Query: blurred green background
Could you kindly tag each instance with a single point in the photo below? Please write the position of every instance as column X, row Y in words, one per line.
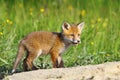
column 100, row 36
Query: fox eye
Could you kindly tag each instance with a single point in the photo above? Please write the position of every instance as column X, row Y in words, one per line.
column 71, row 34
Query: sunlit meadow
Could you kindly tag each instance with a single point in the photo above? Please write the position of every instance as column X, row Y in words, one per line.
column 100, row 36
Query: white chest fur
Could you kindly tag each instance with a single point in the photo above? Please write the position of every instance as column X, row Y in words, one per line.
column 62, row 49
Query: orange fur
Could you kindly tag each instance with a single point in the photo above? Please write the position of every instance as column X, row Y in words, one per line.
column 43, row 42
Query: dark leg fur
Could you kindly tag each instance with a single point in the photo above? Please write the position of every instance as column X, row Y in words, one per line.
column 59, row 65
column 28, row 62
column 27, row 66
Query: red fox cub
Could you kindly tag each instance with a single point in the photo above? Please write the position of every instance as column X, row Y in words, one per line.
column 43, row 42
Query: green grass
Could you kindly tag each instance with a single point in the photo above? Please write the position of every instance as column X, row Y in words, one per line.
column 100, row 37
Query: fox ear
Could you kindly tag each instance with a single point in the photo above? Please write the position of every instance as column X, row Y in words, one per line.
column 65, row 26
column 81, row 25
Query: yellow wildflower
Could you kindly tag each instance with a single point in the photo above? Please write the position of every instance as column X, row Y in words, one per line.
column 42, row 10
column 99, row 20
column 104, row 24
column 11, row 22
column 92, row 25
column 92, row 43
column 31, row 13
column 1, row 33
column 20, row 5
column 7, row 20
column 70, row 7
column 83, row 13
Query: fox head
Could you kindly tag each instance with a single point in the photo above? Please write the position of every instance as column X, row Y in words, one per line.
column 72, row 33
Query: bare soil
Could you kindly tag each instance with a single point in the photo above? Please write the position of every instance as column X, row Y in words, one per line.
column 106, row 71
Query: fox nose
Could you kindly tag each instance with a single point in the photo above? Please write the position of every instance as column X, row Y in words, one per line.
column 76, row 41
column 79, row 41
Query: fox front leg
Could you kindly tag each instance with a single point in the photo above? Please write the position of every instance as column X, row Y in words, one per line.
column 57, row 60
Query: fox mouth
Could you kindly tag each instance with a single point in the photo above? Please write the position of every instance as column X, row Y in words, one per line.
column 75, row 43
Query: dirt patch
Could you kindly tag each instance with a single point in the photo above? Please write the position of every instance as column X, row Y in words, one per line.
column 106, row 71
